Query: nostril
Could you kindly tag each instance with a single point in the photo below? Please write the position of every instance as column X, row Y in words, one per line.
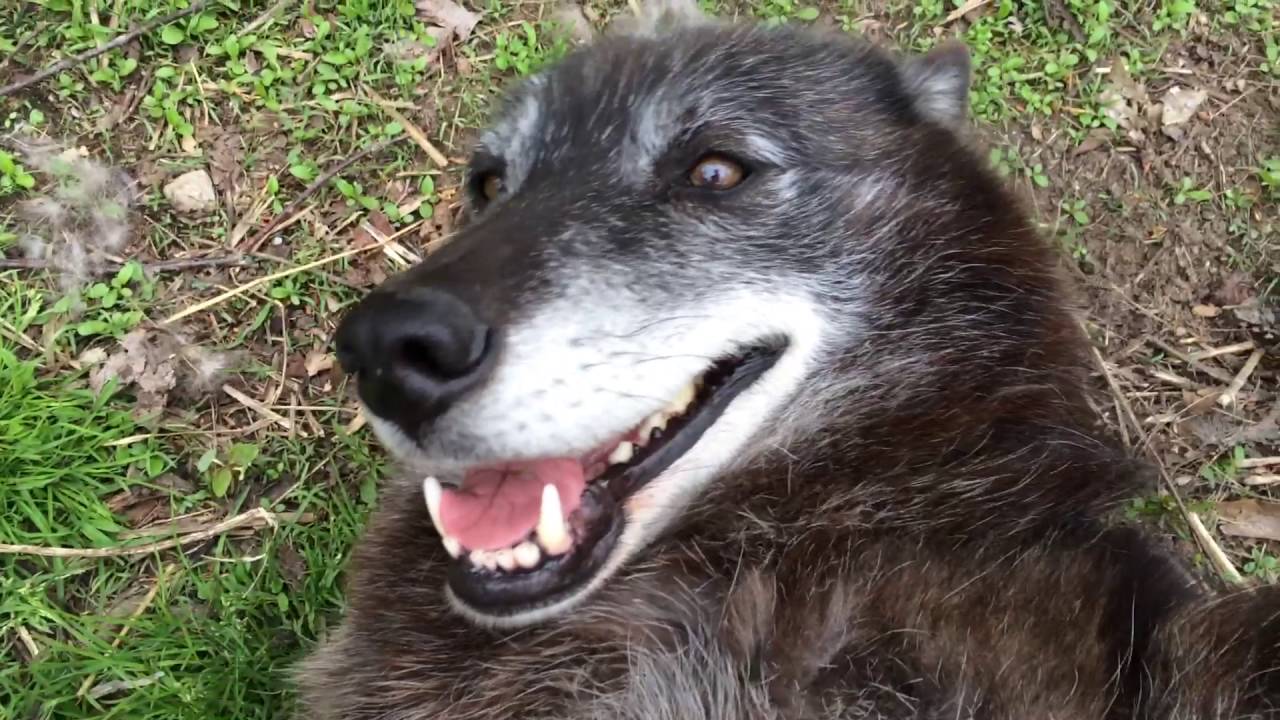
column 418, row 356
column 450, row 357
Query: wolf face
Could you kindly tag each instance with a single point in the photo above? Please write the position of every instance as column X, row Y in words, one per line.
column 686, row 240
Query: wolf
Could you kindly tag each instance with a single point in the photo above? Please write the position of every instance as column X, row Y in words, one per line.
column 747, row 392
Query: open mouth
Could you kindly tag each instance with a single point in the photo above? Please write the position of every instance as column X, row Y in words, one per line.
column 528, row 534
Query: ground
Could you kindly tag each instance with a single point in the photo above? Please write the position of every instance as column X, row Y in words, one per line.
column 182, row 469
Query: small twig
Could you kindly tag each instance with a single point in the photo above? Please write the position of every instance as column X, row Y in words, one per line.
column 1224, row 350
column 124, row 629
column 1227, row 107
column 108, row 267
column 115, row 42
column 290, row 209
column 1214, row 550
column 1212, row 372
column 410, row 129
column 28, row 642
column 256, row 515
column 241, row 289
column 258, row 407
column 1258, row 462
column 1257, row 480
column 262, row 19
column 1172, row 378
column 1127, row 416
column 963, row 10
column 1228, row 398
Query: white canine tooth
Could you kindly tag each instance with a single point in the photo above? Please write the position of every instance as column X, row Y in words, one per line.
column 552, row 533
column 432, row 492
column 506, row 559
column 527, row 555
column 681, row 401
column 452, row 546
column 623, row 453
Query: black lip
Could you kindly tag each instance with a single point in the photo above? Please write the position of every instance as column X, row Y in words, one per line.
column 599, row 522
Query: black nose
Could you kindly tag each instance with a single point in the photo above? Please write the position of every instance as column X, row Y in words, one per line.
column 414, row 352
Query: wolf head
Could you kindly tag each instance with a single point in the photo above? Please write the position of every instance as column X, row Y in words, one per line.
column 685, row 240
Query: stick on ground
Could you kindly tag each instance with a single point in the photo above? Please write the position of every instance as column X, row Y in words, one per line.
column 205, row 305
column 115, row 42
column 287, row 213
column 176, row 265
column 245, row 518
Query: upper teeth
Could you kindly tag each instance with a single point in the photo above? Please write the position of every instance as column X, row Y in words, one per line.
column 433, row 493
column 681, row 401
column 622, row 453
column 552, row 532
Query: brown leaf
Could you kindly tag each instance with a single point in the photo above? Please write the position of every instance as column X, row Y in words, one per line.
column 144, row 364
column 1179, row 105
column 1250, row 518
column 1237, row 289
column 449, row 15
column 318, row 361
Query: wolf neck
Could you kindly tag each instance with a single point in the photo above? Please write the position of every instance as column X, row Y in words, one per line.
column 949, row 449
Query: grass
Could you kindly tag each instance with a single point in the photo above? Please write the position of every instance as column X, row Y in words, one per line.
column 269, row 98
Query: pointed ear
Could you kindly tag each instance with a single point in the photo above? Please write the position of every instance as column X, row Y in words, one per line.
column 657, row 17
column 938, row 83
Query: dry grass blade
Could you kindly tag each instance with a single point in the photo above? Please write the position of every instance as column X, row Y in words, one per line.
column 1224, row 350
column 1212, row 372
column 254, row 516
column 291, row 210
column 258, row 407
column 1259, row 462
column 1228, row 398
column 410, row 129
column 241, row 289
column 1214, row 550
column 124, row 629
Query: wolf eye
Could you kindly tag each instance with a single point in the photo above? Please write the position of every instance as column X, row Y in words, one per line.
column 716, row 172
column 491, row 186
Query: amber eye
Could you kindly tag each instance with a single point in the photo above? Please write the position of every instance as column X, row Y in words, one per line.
column 491, row 186
column 716, row 172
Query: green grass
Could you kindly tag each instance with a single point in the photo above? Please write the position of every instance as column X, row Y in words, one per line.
column 228, row 618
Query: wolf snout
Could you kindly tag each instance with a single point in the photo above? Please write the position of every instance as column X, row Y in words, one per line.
column 414, row 352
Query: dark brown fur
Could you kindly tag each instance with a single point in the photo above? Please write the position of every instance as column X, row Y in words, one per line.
column 938, row 550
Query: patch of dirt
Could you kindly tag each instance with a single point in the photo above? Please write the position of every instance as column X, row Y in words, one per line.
column 1176, row 257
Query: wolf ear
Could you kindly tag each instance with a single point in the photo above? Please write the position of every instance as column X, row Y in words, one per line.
column 938, row 82
column 657, row 17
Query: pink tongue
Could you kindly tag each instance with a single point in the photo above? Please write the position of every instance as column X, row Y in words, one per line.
column 498, row 507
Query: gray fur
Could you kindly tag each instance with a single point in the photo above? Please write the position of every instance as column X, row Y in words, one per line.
column 904, row 519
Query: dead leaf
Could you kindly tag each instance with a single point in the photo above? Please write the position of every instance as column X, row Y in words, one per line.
column 1237, row 289
column 453, row 17
column 1255, row 312
column 224, row 159
column 1206, row 311
column 1250, row 518
column 144, row 364
column 1179, row 105
column 318, row 361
